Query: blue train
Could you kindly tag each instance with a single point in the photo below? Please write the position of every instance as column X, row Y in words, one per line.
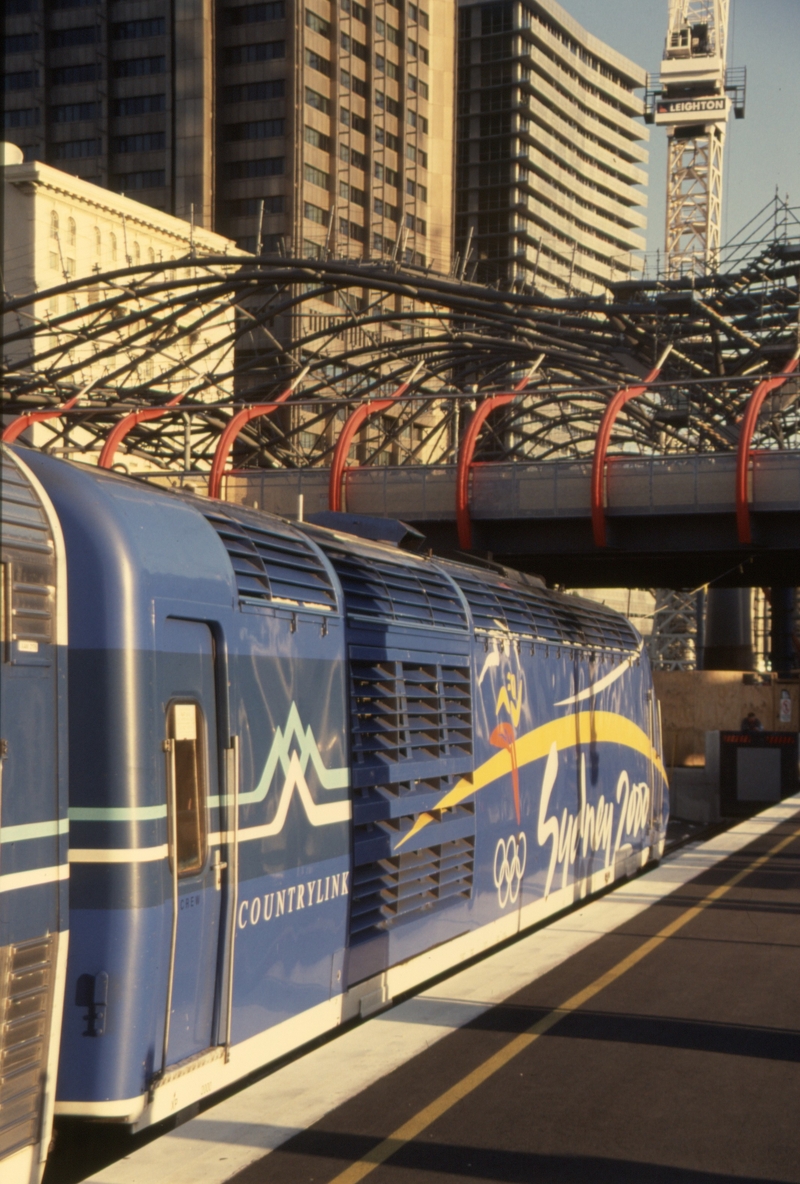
column 33, row 816
column 306, row 772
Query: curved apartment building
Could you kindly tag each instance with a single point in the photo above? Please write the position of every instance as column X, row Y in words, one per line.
column 550, row 158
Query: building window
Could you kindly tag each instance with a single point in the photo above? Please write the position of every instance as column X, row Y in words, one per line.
column 248, row 207
column 265, row 51
column 137, row 105
column 318, row 24
column 97, row 242
column 317, row 101
column 351, row 193
column 130, row 30
column 22, row 80
column 136, row 67
column 66, row 38
column 76, row 149
column 317, row 139
column 316, row 176
column 248, row 14
column 145, row 142
column 351, row 82
column 258, row 129
column 72, row 75
column 75, row 112
column 251, row 92
column 387, row 138
column 384, row 173
column 72, row 232
column 147, row 179
column 269, row 166
column 316, row 214
column 317, row 62
column 54, row 225
column 352, row 230
column 112, row 241
column 25, row 117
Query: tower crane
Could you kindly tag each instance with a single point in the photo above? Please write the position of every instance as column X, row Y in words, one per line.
column 692, row 97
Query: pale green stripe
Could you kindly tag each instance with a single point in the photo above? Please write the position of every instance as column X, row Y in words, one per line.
column 34, row 830
column 116, row 813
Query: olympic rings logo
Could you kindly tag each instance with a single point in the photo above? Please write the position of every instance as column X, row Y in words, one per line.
column 510, row 856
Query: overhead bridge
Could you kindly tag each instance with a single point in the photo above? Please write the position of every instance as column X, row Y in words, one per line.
column 670, row 521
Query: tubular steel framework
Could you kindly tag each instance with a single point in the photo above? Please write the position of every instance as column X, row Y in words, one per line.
column 199, row 340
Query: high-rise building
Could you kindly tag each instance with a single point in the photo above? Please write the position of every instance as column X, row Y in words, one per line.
column 327, row 126
column 549, row 150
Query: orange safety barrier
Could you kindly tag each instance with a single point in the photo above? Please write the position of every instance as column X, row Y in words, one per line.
column 466, row 451
column 598, row 492
column 349, row 429
column 749, row 421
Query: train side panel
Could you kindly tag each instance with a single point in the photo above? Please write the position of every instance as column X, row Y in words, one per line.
column 308, row 773
column 33, row 818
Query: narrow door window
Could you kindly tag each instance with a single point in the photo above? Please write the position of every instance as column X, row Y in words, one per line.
column 186, row 731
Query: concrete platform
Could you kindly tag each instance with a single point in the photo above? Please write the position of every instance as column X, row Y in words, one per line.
column 652, row 1035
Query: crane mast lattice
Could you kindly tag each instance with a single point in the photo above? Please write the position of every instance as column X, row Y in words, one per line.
column 692, row 97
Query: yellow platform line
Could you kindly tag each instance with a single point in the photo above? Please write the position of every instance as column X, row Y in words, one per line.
column 493, row 1064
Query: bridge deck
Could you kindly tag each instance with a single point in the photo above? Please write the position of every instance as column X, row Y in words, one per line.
column 671, row 519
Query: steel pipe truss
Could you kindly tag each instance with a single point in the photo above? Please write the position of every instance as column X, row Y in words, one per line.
column 199, row 341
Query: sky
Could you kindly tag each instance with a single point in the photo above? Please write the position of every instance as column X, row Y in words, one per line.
column 762, row 151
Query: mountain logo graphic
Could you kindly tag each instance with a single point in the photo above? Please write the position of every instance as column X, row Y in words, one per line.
column 293, row 748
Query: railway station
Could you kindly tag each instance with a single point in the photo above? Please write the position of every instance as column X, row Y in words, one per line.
column 399, row 605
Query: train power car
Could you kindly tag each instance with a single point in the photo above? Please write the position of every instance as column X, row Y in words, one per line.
column 308, row 772
column 33, row 817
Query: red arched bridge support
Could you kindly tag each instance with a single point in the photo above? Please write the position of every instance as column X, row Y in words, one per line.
column 247, row 415
column 466, row 451
column 126, row 425
column 610, row 414
column 749, row 421
column 349, row 428
column 22, row 422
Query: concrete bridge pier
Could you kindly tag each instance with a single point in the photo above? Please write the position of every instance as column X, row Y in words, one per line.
column 728, row 630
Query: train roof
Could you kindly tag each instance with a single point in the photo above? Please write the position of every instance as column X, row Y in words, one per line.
column 276, row 562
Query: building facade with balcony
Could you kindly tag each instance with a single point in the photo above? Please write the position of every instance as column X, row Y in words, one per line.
column 549, row 151
column 316, row 127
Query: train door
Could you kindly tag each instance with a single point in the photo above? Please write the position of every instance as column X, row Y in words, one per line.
column 191, row 751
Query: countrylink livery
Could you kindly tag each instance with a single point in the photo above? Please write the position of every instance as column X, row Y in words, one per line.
column 308, row 772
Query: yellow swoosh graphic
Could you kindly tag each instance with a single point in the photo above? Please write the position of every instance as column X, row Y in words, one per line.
column 583, row 727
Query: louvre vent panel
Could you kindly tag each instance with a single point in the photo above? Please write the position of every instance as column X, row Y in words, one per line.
column 411, row 727
column 408, row 886
column 399, row 592
column 498, row 606
column 28, row 556
column 270, row 567
column 408, row 711
column 26, row 988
